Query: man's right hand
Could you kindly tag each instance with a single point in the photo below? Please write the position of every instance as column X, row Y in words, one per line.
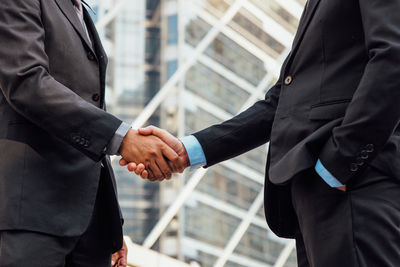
column 151, row 151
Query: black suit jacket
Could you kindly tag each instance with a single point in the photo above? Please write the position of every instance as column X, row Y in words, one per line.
column 53, row 126
column 340, row 103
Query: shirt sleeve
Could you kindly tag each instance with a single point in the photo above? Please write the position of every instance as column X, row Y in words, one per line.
column 326, row 175
column 195, row 151
column 115, row 142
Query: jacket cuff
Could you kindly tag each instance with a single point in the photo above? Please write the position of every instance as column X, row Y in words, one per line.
column 115, row 142
column 326, row 175
column 346, row 167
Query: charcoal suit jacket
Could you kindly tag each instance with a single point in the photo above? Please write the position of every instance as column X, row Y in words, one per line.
column 337, row 99
column 53, row 125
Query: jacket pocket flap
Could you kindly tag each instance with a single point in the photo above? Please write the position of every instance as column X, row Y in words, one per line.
column 329, row 110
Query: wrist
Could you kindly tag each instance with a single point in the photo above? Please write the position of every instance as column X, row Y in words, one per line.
column 130, row 135
column 185, row 157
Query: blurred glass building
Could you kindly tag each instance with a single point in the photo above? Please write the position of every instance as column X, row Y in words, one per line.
column 133, row 48
column 147, row 42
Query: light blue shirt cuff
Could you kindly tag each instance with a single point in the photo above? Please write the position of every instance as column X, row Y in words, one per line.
column 326, row 175
column 115, row 143
column 195, row 151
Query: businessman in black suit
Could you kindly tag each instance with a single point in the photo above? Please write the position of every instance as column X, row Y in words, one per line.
column 58, row 202
column 332, row 120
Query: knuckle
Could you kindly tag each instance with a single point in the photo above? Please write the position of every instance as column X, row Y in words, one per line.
column 160, row 144
column 152, row 153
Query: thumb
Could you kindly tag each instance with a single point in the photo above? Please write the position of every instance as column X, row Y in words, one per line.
column 146, row 131
column 166, row 137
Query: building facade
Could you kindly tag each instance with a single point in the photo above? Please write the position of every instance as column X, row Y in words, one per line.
column 132, row 42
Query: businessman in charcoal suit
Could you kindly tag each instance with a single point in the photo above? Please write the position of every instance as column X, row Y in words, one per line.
column 58, row 202
column 332, row 120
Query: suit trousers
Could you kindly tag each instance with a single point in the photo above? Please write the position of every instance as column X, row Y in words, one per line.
column 356, row 228
column 32, row 249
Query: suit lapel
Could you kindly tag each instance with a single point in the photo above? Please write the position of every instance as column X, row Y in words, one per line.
column 304, row 22
column 101, row 54
column 69, row 11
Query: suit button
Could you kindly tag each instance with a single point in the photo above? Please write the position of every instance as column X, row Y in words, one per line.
column 354, row 167
column 369, row 148
column 90, row 56
column 82, row 141
column 76, row 139
column 288, row 80
column 87, row 143
column 364, row 154
column 360, row 161
column 95, row 97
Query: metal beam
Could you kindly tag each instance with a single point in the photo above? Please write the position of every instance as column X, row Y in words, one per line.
column 110, row 16
column 227, row 208
column 284, row 256
column 173, row 209
column 241, row 230
column 201, row 47
column 151, row 258
column 265, row 82
column 216, row 251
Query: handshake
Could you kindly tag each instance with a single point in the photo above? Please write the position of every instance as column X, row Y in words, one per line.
column 153, row 154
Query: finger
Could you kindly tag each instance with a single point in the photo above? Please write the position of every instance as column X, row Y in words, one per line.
column 152, row 130
column 132, row 166
column 151, row 177
column 144, row 174
column 140, row 168
column 169, row 177
column 124, row 262
column 146, row 131
column 156, row 171
column 169, row 153
column 175, row 166
column 123, row 162
column 180, row 165
column 115, row 259
column 165, row 169
column 166, row 137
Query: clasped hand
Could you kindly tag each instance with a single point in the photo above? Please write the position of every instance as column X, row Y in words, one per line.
column 153, row 153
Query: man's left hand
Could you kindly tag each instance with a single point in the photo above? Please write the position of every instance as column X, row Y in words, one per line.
column 120, row 258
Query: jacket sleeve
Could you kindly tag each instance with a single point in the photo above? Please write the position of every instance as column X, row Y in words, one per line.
column 32, row 92
column 374, row 112
column 242, row 133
